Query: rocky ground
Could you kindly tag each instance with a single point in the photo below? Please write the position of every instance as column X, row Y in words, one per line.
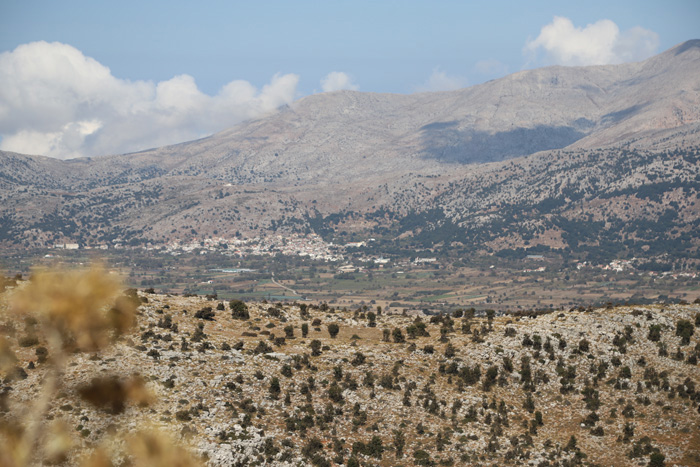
column 267, row 384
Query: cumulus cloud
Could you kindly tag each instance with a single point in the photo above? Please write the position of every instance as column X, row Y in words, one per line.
column 600, row 43
column 337, row 80
column 55, row 101
column 441, row 81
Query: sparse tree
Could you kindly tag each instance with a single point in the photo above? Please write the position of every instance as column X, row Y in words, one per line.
column 275, row 389
column 239, row 310
column 333, row 330
column 372, row 319
column 399, row 442
column 335, row 393
column 684, row 329
column 315, row 347
column 386, row 335
column 654, row 333
column 584, row 345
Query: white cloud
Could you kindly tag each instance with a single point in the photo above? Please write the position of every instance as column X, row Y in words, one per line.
column 441, row 81
column 600, row 43
column 55, row 101
column 337, row 80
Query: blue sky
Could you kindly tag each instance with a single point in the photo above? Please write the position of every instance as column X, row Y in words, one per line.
column 282, row 50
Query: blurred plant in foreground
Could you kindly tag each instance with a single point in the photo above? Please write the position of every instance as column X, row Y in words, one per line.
column 147, row 448
column 83, row 308
column 72, row 311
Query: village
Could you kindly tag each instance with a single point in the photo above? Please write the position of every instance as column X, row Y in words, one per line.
column 313, row 247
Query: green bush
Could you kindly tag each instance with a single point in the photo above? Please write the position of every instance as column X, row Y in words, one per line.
column 239, row 310
column 333, row 330
column 684, row 329
column 654, row 333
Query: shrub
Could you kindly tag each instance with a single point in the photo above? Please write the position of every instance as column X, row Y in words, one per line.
column 684, row 329
column 359, row 359
column 333, row 330
column 584, row 345
column 198, row 334
column 375, row 447
column 422, row 458
column 286, row 371
column 312, row 447
column 386, row 381
column 28, row 341
column 657, row 460
column 335, row 393
column 385, row 335
column 490, row 378
column 529, row 403
column 507, row 364
column 262, row 347
column 275, row 389
column 654, row 333
column 625, row 372
column 372, row 319
column 398, row 336
column 205, row 313
column 239, row 310
column 41, row 353
column 183, row 415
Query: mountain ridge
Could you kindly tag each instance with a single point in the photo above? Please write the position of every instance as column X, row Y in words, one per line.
column 353, row 155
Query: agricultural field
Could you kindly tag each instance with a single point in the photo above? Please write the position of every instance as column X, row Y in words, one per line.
column 482, row 283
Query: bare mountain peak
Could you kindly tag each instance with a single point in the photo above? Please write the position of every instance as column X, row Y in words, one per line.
column 691, row 45
column 334, row 133
column 586, row 130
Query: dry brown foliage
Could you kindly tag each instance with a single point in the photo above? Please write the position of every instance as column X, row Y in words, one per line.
column 75, row 310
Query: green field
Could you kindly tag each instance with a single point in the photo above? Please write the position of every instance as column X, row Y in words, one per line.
column 398, row 285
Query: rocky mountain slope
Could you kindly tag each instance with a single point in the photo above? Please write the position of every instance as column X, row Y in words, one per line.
column 272, row 384
column 355, row 156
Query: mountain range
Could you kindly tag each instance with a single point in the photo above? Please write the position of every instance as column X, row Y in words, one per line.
column 594, row 161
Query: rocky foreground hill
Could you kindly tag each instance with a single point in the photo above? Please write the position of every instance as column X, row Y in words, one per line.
column 542, row 157
column 296, row 384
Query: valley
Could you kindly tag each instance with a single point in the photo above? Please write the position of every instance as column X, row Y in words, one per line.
column 427, row 284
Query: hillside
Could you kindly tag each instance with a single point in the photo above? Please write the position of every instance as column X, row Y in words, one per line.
column 610, row 386
column 560, row 146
